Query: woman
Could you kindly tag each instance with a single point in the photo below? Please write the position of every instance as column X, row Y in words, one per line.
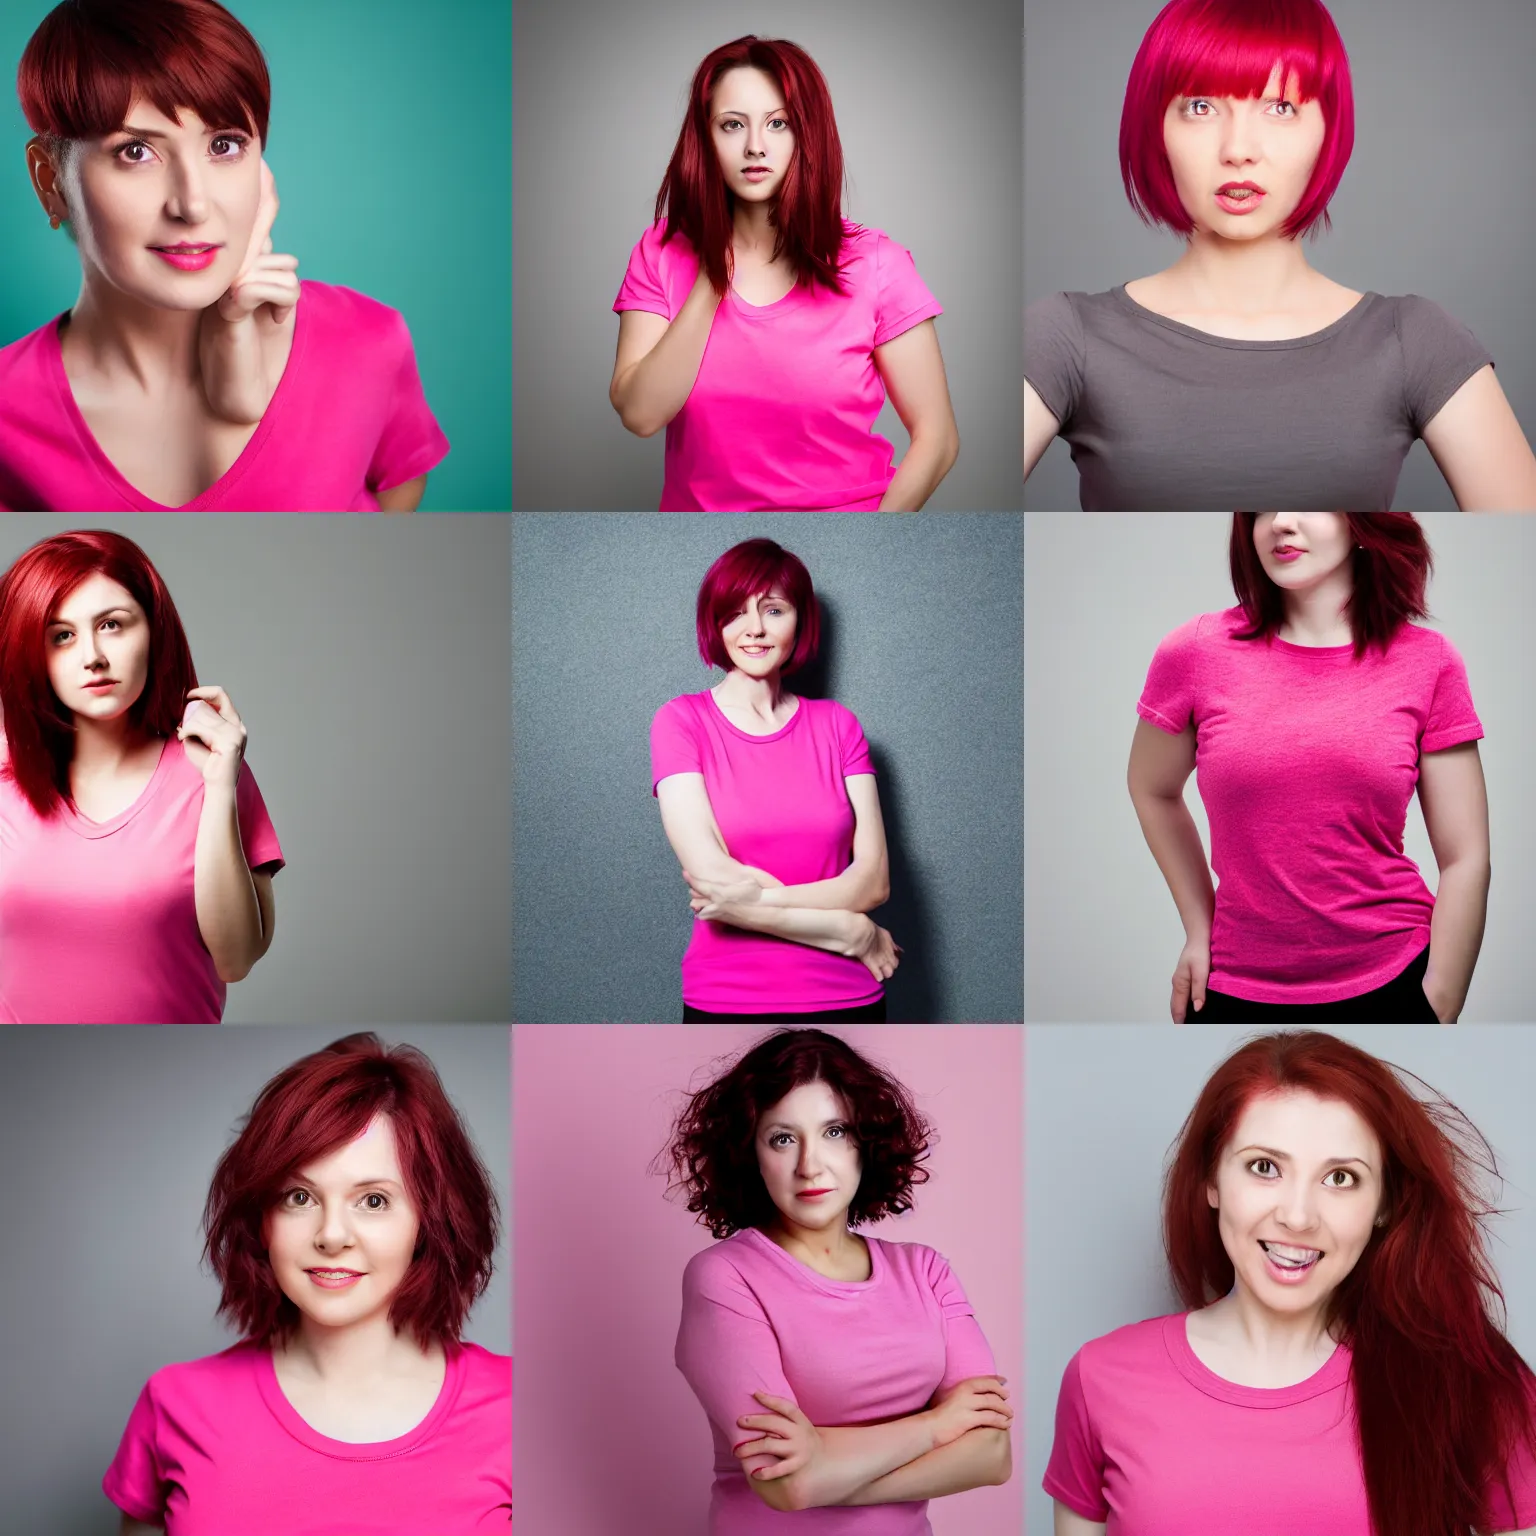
column 763, row 330
column 201, row 383
column 749, row 775
column 844, row 1370
column 1313, row 709
column 1241, row 376
column 351, row 1227
column 1336, row 1372
column 136, row 853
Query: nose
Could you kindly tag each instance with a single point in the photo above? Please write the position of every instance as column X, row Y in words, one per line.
column 187, row 201
column 1297, row 1210
column 1239, row 138
column 757, row 143
column 334, row 1233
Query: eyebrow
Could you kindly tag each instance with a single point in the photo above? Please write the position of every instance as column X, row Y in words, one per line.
column 1285, row 1157
column 780, row 1125
column 155, row 133
column 732, row 112
column 94, row 618
column 361, row 1183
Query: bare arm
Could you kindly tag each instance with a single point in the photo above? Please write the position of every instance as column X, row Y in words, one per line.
column 1040, row 427
column 131, row 1527
column 657, row 363
column 866, row 883
column 229, row 910
column 405, row 497
column 912, row 368
column 1160, row 764
column 1070, row 1523
column 979, row 1458
column 1454, row 799
column 853, row 1456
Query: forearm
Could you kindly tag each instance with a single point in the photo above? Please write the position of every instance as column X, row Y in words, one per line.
column 820, row 929
column 927, row 460
column 978, row 1459
column 1174, row 839
column 1456, row 932
column 854, row 1456
column 228, row 914
column 233, row 364
column 860, row 888
column 657, row 387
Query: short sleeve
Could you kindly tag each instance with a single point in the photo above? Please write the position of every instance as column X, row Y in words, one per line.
column 1452, row 719
column 674, row 744
column 258, row 837
column 727, row 1349
column 902, row 299
column 642, row 287
column 1439, row 355
column 410, row 440
column 133, row 1481
column 966, row 1351
column 1168, row 699
column 1054, row 354
column 1075, row 1473
column 855, row 748
column 1512, row 1491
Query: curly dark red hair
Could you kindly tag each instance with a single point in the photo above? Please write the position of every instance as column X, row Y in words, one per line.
column 1391, row 569
column 713, row 1153
column 307, row 1111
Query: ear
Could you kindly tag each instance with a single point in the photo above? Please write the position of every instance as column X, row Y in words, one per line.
column 1211, row 1198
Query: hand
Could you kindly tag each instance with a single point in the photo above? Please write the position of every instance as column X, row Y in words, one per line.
column 1190, row 976
column 980, row 1402
column 711, row 897
column 1445, row 1006
column 875, row 947
column 263, row 279
column 213, row 735
column 788, row 1434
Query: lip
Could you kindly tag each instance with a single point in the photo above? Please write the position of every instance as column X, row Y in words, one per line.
column 754, row 650
column 1247, row 205
column 757, row 170
column 188, row 261
column 814, row 1194
column 1289, row 1276
column 1282, row 552
column 102, row 683
column 331, row 1282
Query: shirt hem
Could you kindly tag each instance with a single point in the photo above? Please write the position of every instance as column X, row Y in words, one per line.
column 1264, row 992
column 1056, row 1491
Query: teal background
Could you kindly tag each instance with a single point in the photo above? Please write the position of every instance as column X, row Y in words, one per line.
column 391, row 143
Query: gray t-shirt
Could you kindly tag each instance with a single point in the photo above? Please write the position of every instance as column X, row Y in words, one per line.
column 1162, row 417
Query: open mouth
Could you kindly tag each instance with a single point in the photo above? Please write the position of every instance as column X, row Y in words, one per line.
column 1290, row 1261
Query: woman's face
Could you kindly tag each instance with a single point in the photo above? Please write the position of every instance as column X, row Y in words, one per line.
column 98, row 649
column 349, row 1211
column 1322, row 538
column 1273, row 142
column 1301, row 1179
column 760, row 638
column 749, row 128
column 164, row 185
column 805, row 1144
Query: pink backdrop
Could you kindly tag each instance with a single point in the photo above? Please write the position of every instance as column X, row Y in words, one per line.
column 609, row 1440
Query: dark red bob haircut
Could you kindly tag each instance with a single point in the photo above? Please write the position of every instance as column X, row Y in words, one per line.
column 1443, row 1400
column 1224, row 48
column 750, row 569
column 808, row 223
column 89, row 59
column 308, row 1111
column 39, row 730
column 713, row 1151
column 1392, row 564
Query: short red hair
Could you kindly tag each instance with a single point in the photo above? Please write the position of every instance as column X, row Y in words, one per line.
column 39, row 730
column 1230, row 48
column 809, row 227
column 88, row 59
column 750, row 569
column 309, row 1110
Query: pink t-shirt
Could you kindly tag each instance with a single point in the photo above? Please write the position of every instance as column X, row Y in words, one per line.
column 213, row 1448
column 757, row 1320
column 1306, row 762
column 781, row 806
column 98, row 920
column 1151, row 1442
column 782, row 414
column 349, row 420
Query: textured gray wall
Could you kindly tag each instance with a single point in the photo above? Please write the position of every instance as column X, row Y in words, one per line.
column 110, row 1137
column 922, row 639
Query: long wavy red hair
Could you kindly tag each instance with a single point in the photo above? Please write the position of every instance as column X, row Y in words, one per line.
column 1442, row 1399
column 808, row 225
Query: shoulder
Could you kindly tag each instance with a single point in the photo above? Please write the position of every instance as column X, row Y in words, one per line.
column 206, row 1378
column 1193, row 634
column 21, row 358
column 683, row 710
column 1134, row 1346
column 829, row 710
column 917, row 1259
column 486, row 1368
column 720, row 1270
column 338, row 313
column 654, row 245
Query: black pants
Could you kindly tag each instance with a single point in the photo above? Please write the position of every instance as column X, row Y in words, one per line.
column 1399, row 1001
column 870, row 1013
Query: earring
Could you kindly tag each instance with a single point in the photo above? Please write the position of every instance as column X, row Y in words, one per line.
column 53, row 221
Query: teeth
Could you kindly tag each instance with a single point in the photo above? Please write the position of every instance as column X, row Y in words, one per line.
column 1297, row 1256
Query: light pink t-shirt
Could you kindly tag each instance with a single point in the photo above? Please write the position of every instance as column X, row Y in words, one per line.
column 1151, row 1442
column 782, row 414
column 213, row 1448
column 845, row 1353
column 349, row 420
column 1306, row 762
column 781, row 806
column 98, row 920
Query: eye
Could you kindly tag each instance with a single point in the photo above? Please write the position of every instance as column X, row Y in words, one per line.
column 840, row 1131
column 115, row 622
column 777, row 1137
column 1344, row 1173
column 291, row 1203
column 1259, row 1162
column 383, row 1199
column 1194, row 101
column 239, row 140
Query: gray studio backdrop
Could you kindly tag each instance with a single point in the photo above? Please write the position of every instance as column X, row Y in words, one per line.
column 1101, row 932
column 920, row 639
column 928, row 108
column 112, row 1136
column 1108, row 1102
column 1407, row 217
column 368, row 659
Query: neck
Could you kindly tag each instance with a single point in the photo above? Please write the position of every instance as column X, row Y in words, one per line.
column 125, row 340
column 753, row 230
column 762, row 695
column 1275, row 1338
column 1316, row 616
column 1244, row 279
column 105, row 747
column 360, row 1354
column 830, row 1247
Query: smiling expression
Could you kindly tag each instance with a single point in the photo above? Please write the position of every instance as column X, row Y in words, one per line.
column 804, row 1142
column 98, row 632
column 1303, row 1174
column 1273, row 141
column 349, row 1210
column 749, row 126
column 760, row 638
